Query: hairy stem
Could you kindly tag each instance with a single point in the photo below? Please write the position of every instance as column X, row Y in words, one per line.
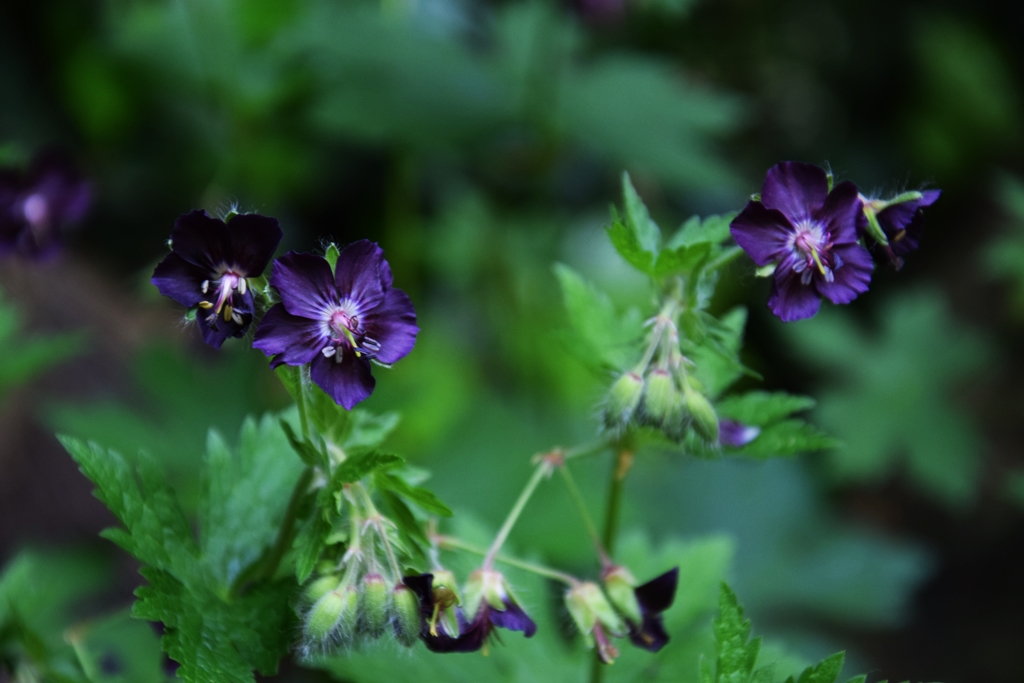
column 510, row 521
column 450, row 543
column 301, row 403
column 581, row 507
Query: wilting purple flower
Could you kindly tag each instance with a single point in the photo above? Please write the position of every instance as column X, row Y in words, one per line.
column 209, row 266
column 736, row 434
column 36, row 206
column 902, row 221
column 338, row 321
column 444, row 626
column 810, row 234
column 654, row 597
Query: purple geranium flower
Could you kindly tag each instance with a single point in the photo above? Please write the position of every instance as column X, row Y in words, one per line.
column 209, row 266
column 36, row 206
column 654, row 597
column 444, row 626
column 810, row 234
column 338, row 321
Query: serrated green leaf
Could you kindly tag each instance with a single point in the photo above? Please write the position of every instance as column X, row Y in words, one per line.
column 404, row 519
column 825, row 671
column 681, row 260
column 711, row 230
column 602, row 337
column 354, row 469
column 638, row 220
column 307, row 452
column 761, row 408
column 736, row 656
column 786, row 438
column 628, row 245
column 421, row 497
column 309, row 542
column 717, row 361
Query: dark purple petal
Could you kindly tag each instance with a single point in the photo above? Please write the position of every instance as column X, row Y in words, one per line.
column 658, row 594
column 790, row 298
column 796, row 189
column 201, row 240
column 471, row 638
column 216, row 330
column 851, row 278
column 306, row 284
column 839, row 213
column 180, row 280
column 347, row 382
column 288, row 338
column 254, row 238
column 393, row 326
column 903, row 223
column 513, row 618
column 762, row 232
column 358, row 274
column 651, row 635
column 736, row 434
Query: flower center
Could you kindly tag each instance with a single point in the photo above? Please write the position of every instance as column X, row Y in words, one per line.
column 231, row 280
column 810, row 245
column 36, row 210
column 343, row 331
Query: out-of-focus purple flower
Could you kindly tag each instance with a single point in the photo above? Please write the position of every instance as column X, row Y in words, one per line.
column 654, row 597
column 810, row 235
column 490, row 604
column 444, row 626
column 209, row 266
column 902, row 220
column 338, row 321
column 736, row 434
column 38, row 205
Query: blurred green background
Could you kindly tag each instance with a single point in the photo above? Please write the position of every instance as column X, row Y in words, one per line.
column 479, row 142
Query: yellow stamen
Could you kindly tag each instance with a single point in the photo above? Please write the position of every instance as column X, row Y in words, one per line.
column 227, row 312
column 205, row 304
column 814, row 255
column 900, row 235
column 433, row 619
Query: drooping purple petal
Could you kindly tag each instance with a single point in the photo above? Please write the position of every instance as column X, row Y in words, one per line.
column 762, row 232
column 796, row 189
column 216, row 330
column 288, row 338
column 180, row 280
column 790, row 298
column 306, row 284
column 903, row 223
column 201, row 240
column 254, row 238
column 347, row 382
column 839, row 213
column 736, row 434
column 654, row 597
column 851, row 278
column 393, row 325
column 513, row 618
column 358, row 274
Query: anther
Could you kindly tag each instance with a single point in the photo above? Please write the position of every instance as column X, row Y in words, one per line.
column 329, row 351
column 206, row 286
column 242, row 285
column 205, row 304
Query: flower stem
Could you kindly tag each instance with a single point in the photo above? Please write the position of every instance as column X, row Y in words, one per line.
column 510, row 521
column 375, row 520
column 301, row 403
column 267, row 567
column 450, row 543
column 623, row 462
column 581, row 507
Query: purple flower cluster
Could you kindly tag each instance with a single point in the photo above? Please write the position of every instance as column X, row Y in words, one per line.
column 335, row 320
column 810, row 235
column 37, row 205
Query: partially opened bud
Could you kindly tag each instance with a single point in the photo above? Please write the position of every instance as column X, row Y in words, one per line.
column 408, row 620
column 619, row 584
column 374, row 596
column 623, row 399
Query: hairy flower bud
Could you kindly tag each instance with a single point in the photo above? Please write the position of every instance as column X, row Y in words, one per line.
column 373, row 604
column 705, row 421
column 408, row 620
column 623, row 399
column 620, row 584
column 588, row 607
column 332, row 615
column 662, row 398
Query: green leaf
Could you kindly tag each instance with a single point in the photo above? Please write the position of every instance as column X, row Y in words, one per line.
column 736, row 656
column 332, row 255
column 681, row 260
column 130, row 645
column 422, row 497
column 307, row 452
column 638, row 220
column 355, row 469
column 761, row 407
column 894, row 397
column 785, row 438
column 826, row 671
column 601, row 336
column 710, row 230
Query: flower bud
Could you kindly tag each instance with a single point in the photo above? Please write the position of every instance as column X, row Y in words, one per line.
column 620, row 585
column 705, row 421
column 334, row 613
column 662, row 397
column 373, row 604
column 320, row 587
column 589, row 607
column 623, row 398
column 408, row 620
